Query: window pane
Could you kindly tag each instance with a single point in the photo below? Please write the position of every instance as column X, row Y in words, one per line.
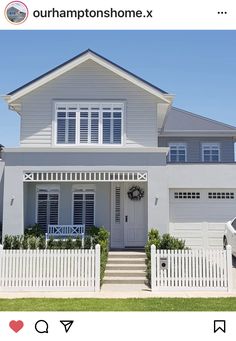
column 94, row 130
column 61, row 131
column 78, row 213
column 117, row 131
column 83, row 130
column 61, row 114
column 106, row 115
column 106, row 131
column 71, row 130
column 182, row 157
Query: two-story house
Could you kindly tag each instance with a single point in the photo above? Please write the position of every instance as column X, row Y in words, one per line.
column 101, row 146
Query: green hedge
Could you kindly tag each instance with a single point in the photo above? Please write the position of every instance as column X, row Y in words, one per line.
column 100, row 236
column 164, row 242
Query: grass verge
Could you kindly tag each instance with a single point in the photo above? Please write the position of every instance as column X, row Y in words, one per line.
column 129, row 304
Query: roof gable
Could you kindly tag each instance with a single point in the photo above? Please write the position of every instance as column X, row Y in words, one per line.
column 77, row 60
column 179, row 121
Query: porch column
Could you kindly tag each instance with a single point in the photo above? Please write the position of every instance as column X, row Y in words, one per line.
column 13, row 213
column 158, row 199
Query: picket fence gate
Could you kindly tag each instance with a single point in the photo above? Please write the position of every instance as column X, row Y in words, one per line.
column 50, row 270
column 191, row 269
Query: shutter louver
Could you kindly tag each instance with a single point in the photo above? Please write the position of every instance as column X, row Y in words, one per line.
column 117, row 205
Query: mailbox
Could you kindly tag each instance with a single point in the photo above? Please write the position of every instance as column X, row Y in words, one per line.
column 163, row 263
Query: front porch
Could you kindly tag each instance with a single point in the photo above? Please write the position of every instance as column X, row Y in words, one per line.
column 88, row 199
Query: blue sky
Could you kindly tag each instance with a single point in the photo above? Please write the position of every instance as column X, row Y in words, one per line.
column 199, row 67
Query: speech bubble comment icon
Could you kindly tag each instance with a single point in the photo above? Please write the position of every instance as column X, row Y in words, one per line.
column 41, row 326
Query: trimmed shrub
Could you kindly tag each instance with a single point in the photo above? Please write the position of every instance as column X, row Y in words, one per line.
column 33, row 243
column 87, row 242
column 51, row 243
column 78, row 243
column 60, row 244
column 101, row 236
column 34, row 230
column 25, row 242
column 166, row 242
column 171, row 243
column 7, row 243
column 16, row 242
column 69, row 243
column 41, row 242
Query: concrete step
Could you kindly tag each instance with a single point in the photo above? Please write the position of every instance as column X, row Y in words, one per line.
column 125, row 273
column 127, row 255
column 121, row 267
column 124, row 280
column 140, row 261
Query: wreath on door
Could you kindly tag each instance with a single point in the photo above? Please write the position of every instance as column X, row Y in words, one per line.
column 135, row 193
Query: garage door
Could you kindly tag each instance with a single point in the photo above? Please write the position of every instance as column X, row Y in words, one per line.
column 199, row 216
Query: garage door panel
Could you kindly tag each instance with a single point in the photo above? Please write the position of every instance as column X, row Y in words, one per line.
column 201, row 222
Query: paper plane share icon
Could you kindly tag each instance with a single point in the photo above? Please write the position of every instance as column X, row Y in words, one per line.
column 67, row 324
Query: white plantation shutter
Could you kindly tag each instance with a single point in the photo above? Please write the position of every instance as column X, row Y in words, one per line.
column 47, row 210
column 112, row 125
column 93, row 123
column 83, row 208
column 117, row 204
column 66, row 127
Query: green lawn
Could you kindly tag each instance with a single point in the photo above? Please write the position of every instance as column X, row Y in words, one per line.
column 129, row 304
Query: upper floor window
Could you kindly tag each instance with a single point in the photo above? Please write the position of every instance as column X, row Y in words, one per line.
column 210, row 152
column 92, row 123
column 178, row 152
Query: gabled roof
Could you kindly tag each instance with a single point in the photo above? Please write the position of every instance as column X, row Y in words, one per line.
column 77, row 60
column 182, row 122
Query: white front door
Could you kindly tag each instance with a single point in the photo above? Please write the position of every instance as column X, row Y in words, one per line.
column 135, row 218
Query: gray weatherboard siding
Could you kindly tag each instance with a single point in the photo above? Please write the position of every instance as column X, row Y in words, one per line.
column 90, row 82
column 194, row 144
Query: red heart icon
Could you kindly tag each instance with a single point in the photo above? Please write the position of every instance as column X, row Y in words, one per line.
column 16, row 325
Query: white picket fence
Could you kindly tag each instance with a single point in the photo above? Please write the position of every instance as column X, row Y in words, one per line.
column 191, row 269
column 45, row 270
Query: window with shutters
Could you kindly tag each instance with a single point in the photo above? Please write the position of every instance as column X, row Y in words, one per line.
column 66, row 124
column 89, row 123
column 83, row 208
column 47, row 208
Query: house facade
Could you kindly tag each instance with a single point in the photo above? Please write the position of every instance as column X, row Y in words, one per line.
column 101, row 146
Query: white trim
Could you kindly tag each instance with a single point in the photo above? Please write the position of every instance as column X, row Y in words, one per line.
column 88, row 149
column 81, row 59
column 102, row 176
column 83, row 187
column 177, row 145
column 210, row 145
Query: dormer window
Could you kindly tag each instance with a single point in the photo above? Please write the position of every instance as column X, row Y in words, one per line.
column 89, row 124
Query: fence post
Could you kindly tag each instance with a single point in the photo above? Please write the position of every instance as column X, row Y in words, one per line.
column 229, row 267
column 97, row 267
column 153, row 266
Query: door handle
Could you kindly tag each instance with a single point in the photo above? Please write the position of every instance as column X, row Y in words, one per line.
column 126, row 219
